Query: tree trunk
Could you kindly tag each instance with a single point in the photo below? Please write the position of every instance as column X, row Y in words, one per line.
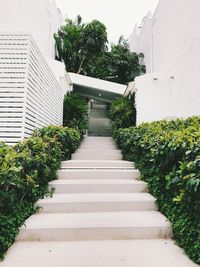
column 80, row 67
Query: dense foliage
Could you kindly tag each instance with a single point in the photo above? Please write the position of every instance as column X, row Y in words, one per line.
column 25, row 171
column 168, row 156
column 79, row 44
column 123, row 112
column 118, row 65
column 84, row 50
column 75, row 112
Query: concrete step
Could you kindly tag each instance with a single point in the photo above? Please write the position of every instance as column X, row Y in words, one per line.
column 101, row 174
column 98, row 141
column 108, row 253
column 91, row 133
column 98, row 114
column 100, row 150
column 99, row 125
column 98, row 186
column 98, row 107
column 101, row 202
column 95, row 226
column 98, row 146
column 96, row 163
column 93, row 127
column 102, row 154
column 99, row 130
column 100, row 121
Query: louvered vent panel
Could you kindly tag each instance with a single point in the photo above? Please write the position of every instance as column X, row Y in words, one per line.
column 30, row 96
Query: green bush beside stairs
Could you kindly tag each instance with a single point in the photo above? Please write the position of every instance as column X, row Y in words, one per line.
column 167, row 153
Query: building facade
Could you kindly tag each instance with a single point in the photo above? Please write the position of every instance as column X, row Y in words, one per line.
column 32, row 83
column 170, row 41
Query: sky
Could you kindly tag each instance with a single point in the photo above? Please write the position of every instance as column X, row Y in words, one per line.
column 119, row 16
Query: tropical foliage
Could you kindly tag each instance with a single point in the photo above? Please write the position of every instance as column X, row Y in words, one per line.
column 25, row 171
column 118, row 65
column 123, row 112
column 84, row 50
column 79, row 44
column 75, row 112
column 168, row 157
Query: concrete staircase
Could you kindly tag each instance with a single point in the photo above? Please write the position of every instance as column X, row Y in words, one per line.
column 97, row 199
column 103, row 207
column 99, row 124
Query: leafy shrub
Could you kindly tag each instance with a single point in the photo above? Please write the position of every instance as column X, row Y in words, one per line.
column 168, row 157
column 123, row 112
column 25, row 171
column 68, row 138
column 75, row 112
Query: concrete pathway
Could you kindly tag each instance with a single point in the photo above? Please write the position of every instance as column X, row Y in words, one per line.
column 101, row 215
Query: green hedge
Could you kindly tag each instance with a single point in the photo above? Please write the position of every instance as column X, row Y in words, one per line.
column 123, row 112
column 25, row 171
column 75, row 112
column 168, row 157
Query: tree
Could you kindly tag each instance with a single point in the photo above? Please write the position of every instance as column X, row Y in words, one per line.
column 119, row 65
column 79, row 44
column 83, row 48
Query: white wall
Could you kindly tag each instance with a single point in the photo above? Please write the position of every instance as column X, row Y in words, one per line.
column 30, row 95
column 58, row 69
column 170, row 41
column 41, row 18
column 140, row 40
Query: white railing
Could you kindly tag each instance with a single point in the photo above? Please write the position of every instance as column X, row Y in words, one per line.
column 30, row 96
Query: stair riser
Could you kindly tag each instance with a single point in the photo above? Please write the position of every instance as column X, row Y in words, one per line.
column 88, row 156
column 99, row 127
column 103, row 152
column 97, row 207
column 102, row 140
column 97, row 174
column 100, row 122
column 99, row 134
column 107, row 188
column 106, row 145
column 96, row 147
column 96, row 233
column 97, row 164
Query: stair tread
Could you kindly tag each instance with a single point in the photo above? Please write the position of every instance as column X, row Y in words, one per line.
column 100, row 197
column 94, row 220
column 108, row 253
column 96, row 181
column 97, row 163
column 100, row 150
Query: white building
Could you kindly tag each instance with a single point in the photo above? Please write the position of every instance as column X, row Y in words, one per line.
column 32, row 83
column 170, row 41
column 41, row 18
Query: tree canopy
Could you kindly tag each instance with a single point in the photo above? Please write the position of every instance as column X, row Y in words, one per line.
column 78, row 44
column 84, row 50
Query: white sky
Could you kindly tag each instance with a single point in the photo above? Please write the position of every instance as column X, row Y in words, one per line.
column 119, row 16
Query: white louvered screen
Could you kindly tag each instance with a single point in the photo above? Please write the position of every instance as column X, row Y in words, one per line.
column 30, row 96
